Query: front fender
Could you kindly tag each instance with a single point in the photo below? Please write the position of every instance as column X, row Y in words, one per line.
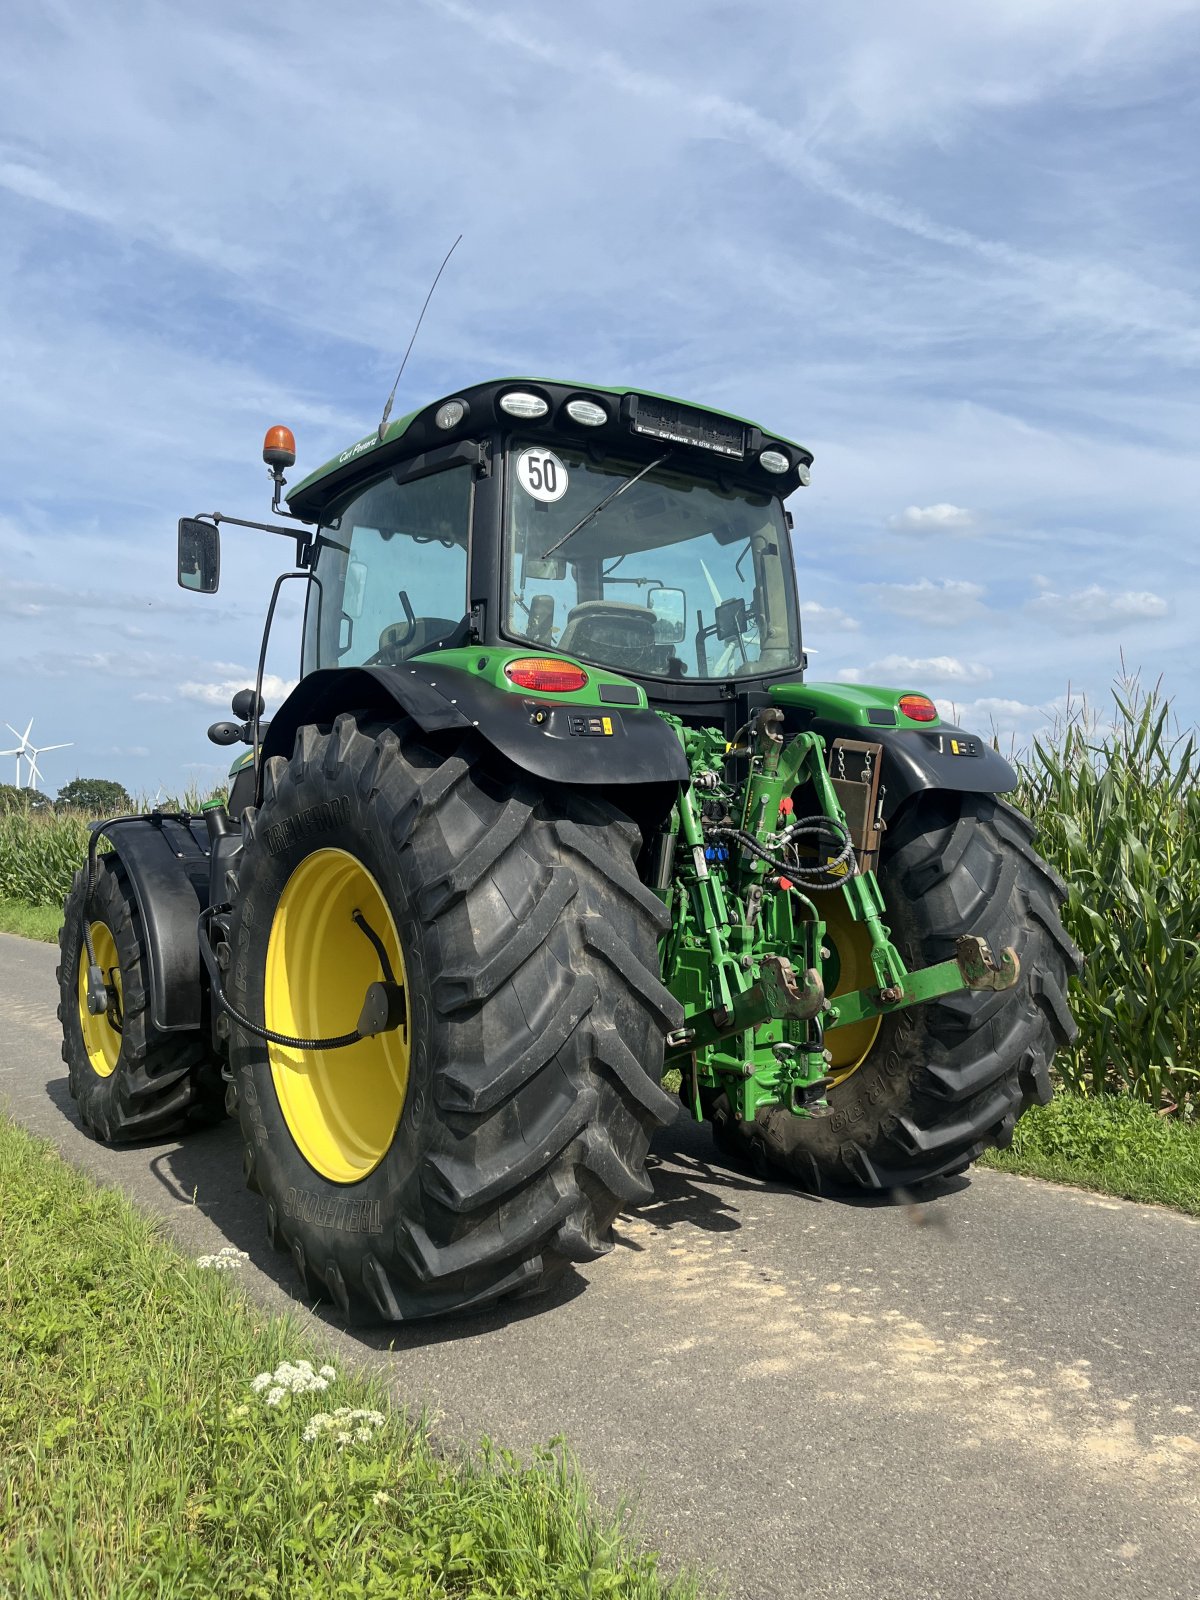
column 168, row 867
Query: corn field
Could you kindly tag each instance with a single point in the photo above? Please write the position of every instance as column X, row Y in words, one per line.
column 39, row 853
column 1118, row 812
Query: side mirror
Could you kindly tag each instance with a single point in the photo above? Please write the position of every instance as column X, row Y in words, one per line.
column 199, row 566
column 669, row 607
column 731, row 619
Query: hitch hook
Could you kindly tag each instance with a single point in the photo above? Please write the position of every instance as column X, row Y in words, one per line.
column 980, row 969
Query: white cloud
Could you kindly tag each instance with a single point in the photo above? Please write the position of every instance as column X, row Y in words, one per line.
column 945, row 601
column 1096, row 607
column 994, row 713
column 932, row 669
column 831, row 619
column 940, row 518
column 220, row 694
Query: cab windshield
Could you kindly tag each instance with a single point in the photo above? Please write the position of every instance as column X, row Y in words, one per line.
column 671, row 578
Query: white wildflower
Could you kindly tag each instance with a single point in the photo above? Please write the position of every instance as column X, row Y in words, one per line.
column 225, row 1260
column 292, row 1377
column 347, row 1425
column 381, row 1497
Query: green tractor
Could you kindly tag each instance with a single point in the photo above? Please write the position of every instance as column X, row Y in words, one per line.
column 551, row 812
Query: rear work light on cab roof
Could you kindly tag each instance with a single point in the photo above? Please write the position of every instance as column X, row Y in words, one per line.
column 547, row 674
column 917, row 708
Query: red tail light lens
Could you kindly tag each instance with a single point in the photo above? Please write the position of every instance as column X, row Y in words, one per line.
column 546, row 674
column 917, row 707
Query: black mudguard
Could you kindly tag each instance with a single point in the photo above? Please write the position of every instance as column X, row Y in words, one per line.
column 549, row 739
column 168, row 866
column 914, row 760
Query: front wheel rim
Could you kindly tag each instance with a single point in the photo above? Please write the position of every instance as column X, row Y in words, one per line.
column 101, row 1039
column 341, row 1107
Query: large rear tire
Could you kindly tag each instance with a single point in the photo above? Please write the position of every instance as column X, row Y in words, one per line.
column 489, row 1142
column 939, row 1083
column 129, row 1080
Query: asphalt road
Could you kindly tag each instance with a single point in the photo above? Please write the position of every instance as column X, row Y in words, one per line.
column 993, row 1392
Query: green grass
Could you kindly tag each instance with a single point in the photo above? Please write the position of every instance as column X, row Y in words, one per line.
column 1112, row 1143
column 136, row 1459
column 31, row 922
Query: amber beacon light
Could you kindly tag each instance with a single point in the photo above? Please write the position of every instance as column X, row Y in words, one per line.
column 279, row 447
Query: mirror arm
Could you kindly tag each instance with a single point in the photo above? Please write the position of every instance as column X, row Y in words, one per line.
column 304, row 541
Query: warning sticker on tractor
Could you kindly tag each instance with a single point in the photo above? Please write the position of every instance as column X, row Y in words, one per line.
column 542, row 475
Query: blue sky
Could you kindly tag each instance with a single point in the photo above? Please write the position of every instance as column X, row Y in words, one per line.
column 951, row 248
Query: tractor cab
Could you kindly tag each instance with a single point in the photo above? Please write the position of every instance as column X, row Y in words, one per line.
column 623, row 530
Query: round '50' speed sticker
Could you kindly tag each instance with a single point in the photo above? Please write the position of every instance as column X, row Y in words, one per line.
column 542, row 475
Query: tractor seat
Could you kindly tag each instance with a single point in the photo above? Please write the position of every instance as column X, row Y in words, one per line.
column 395, row 643
column 613, row 631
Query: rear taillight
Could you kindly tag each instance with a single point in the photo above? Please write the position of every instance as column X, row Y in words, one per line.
column 917, row 708
column 547, row 674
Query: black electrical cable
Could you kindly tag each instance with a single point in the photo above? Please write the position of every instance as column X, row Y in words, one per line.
column 816, row 878
column 286, row 1039
column 269, row 1034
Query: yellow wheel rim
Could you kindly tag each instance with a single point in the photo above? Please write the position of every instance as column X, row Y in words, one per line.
column 100, row 1039
column 341, row 1106
column 850, row 947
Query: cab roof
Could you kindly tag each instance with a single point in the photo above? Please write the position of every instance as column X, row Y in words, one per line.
column 718, row 439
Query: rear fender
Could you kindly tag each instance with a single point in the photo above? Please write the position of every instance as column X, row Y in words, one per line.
column 914, row 761
column 168, row 867
column 630, row 753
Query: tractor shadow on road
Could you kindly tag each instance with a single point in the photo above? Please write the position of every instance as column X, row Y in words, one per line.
column 695, row 1186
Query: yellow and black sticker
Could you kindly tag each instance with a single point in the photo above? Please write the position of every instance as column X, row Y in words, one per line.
column 591, row 727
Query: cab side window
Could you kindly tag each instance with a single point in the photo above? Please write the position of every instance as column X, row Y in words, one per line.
column 391, row 572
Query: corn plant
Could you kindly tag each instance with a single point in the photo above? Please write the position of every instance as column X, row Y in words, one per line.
column 40, row 850
column 39, row 854
column 1118, row 810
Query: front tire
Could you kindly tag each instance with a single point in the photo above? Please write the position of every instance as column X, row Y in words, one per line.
column 493, row 1140
column 130, row 1080
column 939, row 1083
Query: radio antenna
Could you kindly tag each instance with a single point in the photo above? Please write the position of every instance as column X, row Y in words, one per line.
column 387, row 410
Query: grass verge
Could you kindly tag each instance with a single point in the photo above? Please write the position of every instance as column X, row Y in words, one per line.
column 1112, row 1143
column 31, row 922
column 138, row 1459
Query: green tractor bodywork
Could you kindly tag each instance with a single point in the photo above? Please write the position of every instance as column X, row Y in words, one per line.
column 747, row 957
column 552, row 809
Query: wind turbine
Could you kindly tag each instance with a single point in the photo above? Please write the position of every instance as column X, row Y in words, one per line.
column 31, row 752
